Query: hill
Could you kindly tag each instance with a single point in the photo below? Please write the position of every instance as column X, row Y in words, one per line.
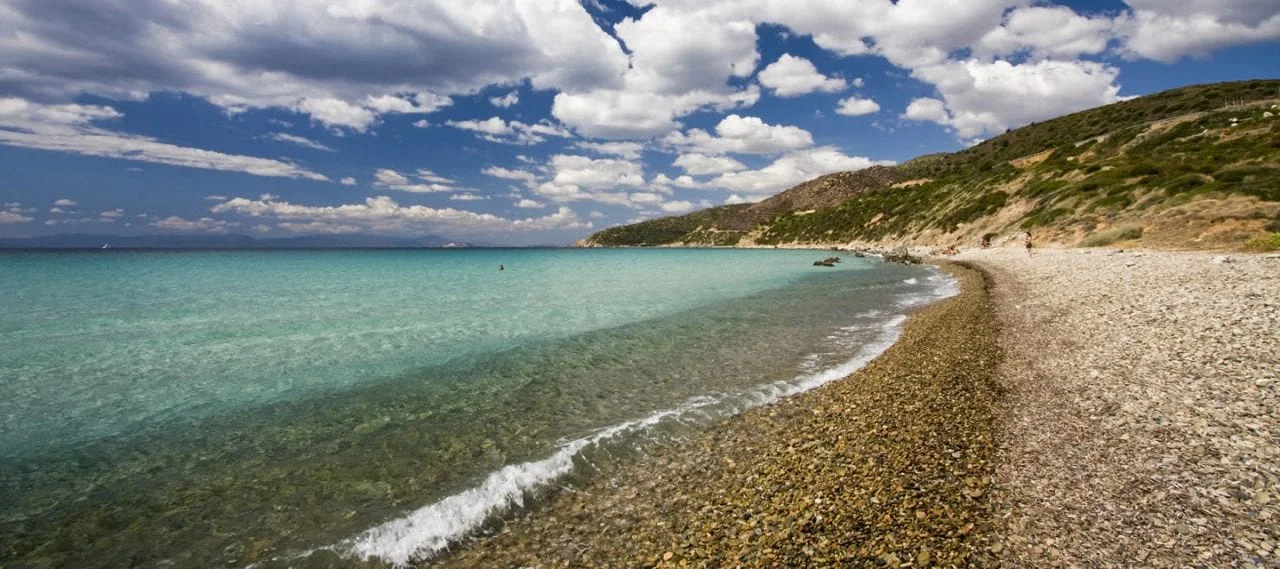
column 1195, row 167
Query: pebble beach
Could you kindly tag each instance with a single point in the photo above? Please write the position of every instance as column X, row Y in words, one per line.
column 1141, row 426
column 1078, row 408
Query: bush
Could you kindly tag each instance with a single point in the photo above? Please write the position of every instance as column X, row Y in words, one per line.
column 1120, row 233
column 1264, row 243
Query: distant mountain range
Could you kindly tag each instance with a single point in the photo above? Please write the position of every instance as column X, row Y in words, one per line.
column 356, row 241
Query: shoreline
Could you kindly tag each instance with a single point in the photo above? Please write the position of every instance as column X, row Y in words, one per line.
column 891, row 464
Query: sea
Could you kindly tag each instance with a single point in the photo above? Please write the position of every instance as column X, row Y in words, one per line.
column 197, row 409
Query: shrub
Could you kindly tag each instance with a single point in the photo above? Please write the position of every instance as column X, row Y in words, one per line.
column 1270, row 242
column 1119, row 233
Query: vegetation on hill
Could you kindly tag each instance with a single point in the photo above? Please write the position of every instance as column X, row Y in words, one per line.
column 1197, row 166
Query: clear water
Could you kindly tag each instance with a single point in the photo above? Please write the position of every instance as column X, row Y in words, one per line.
column 198, row 409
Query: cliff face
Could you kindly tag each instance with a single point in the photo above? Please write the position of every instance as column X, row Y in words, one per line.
column 1177, row 169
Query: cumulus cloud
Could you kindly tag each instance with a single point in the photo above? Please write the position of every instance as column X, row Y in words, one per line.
column 383, row 213
column 423, row 182
column 743, row 135
column 299, row 140
column 680, row 206
column 505, row 101
column 69, row 128
column 791, row 169
column 791, row 76
column 348, row 181
column 64, row 202
column 11, row 217
column 527, row 203
column 204, row 224
column 627, row 150
column 467, row 197
column 980, row 97
column 1047, row 31
column 582, row 171
column 856, row 106
column 308, row 56
column 701, row 164
column 1168, row 30
column 495, row 129
column 313, row 227
column 508, row 174
column 608, row 113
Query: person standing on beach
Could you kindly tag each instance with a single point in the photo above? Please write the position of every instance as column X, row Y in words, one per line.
column 1026, row 239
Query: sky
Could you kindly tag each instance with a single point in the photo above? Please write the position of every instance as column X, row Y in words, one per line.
column 540, row 121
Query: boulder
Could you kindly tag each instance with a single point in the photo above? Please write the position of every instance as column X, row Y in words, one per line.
column 902, row 255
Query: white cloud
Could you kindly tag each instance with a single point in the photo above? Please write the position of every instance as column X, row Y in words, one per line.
column 338, row 113
column 495, row 129
column 261, row 228
column 57, row 210
column 791, row 169
column 608, row 113
column 421, row 123
column 505, row 101
column 677, row 51
column 304, row 55
column 678, row 207
column 315, row 227
column 427, row 181
column 467, row 197
column 429, row 176
column 68, row 128
column 112, row 214
column 1168, row 30
column 216, row 198
column 700, row 164
column 928, row 109
column 791, row 76
column 419, row 103
column 1047, row 31
column 64, row 202
column 348, row 181
column 744, row 135
column 856, row 106
column 10, row 217
column 989, row 97
column 734, row 199
column 204, row 224
column 627, row 150
column 383, row 213
column 595, row 173
column 299, row 140
column 596, row 215
column 506, row 174
column 529, row 204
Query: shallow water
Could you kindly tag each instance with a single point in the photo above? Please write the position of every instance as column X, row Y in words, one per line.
column 198, row 409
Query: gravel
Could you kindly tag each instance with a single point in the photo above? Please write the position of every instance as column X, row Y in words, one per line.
column 1141, row 425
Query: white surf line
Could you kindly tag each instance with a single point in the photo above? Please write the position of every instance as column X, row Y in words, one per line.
column 429, row 530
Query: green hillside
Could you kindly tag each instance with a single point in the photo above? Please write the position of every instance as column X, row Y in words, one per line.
column 1192, row 167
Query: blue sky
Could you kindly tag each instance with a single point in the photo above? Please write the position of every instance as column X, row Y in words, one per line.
column 530, row 122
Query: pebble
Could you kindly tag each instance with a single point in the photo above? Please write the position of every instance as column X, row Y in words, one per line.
column 1140, row 421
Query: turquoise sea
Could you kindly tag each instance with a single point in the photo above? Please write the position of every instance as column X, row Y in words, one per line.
column 232, row 409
